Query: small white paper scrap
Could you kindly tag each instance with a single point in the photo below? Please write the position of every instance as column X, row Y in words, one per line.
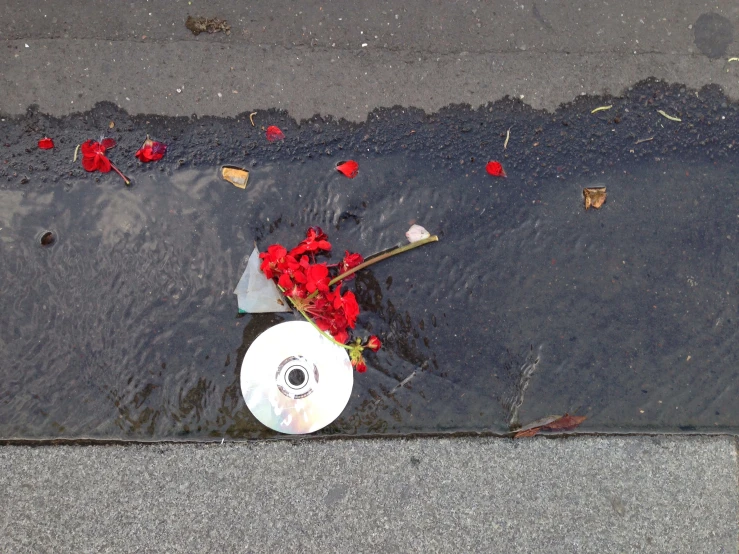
column 257, row 294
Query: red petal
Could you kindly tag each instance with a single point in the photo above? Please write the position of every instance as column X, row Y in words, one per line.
column 102, row 163
column 158, row 150
column 273, row 133
column 285, row 282
column 46, row 143
column 144, row 154
column 495, row 169
column 107, row 143
column 349, row 168
column 89, row 148
column 88, row 162
column 151, row 151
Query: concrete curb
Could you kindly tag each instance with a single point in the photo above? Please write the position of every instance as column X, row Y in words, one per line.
column 589, row 494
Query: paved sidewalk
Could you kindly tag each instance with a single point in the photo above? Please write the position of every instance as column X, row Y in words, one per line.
column 637, row 494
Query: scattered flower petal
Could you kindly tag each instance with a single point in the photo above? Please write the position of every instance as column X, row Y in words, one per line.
column 349, row 168
column 495, row 169
column 46, row 143
column 416, row 233
column 151, row 150
column 274, row 133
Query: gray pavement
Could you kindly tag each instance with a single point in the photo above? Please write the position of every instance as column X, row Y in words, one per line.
column 637, row 494
column 607, row 494
column 347, row 58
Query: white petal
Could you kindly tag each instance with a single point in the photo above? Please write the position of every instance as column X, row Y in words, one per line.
column 416, row 233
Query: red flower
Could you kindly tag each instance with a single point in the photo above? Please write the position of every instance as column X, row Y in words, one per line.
column 274, row 256
column 373, row 343
column 359, row 365
column 307, row 286
column 46, row 143
column 317, row 278
column 315, row 240
column 350, row 261
column 349, row 168
column 273, row 133
column 151, row 150
column 94, row 159
column 351, row 308
column 495, row 169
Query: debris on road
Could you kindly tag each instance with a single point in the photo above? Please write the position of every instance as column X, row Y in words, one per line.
column 416, row 233
column 255, row 293
column 235, row 175
column 48, row 238
column 668, row 116
column 601, row 109
column 554, row 424
column 594, row 196
column 212, row 25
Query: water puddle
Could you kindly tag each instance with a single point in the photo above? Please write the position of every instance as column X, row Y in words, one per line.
column 125, row 327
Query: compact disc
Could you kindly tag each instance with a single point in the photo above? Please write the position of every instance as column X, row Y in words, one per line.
column 294, row 380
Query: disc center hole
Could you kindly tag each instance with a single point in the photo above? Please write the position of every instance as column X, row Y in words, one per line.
column 296, row 376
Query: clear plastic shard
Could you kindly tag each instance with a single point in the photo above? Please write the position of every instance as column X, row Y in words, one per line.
column 257, row 294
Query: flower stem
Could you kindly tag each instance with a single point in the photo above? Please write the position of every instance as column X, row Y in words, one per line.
column 384, row 256
column 118, row 171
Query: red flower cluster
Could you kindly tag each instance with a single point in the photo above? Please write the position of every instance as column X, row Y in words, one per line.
column 315, row 289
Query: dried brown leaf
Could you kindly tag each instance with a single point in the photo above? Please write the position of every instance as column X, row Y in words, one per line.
column 565, row 423
column 539, row 422
column 594, row 196
column 527, row 433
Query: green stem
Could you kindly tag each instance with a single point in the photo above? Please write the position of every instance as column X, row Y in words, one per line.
column 384, row 256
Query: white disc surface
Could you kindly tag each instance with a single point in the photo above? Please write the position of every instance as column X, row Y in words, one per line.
column 294, row 380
